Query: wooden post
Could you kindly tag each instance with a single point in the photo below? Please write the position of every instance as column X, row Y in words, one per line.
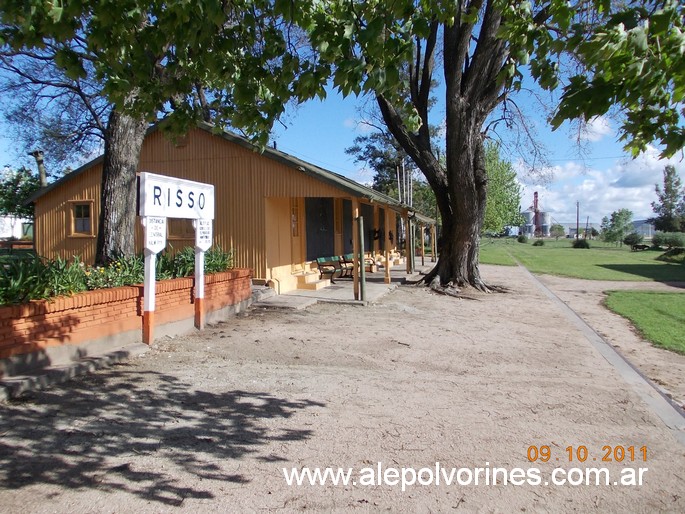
column 423, row 250
column 434, row 245
column 387, row 279
column 407, row 242
column 355, row 247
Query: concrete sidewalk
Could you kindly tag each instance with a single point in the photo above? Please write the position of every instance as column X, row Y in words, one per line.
column 343, row 290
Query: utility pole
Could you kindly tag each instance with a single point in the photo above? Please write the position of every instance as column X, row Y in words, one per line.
column 577, row 220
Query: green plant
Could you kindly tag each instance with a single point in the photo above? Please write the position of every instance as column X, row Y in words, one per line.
column 669, row 239
column 184, row 262
column 581, row 243
column 217, row 260
column 64, row 278
column 633, row 239
column 539, row 242
column 21, row 280
column 522, row 239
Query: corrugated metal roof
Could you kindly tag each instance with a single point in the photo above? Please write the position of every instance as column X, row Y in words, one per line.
column 339, row 181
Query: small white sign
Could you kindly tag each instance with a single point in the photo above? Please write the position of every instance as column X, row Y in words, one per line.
column 155, row 233
column 175, row 198
column 203, row 234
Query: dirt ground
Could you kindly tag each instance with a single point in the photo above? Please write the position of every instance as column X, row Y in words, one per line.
column 208, row 422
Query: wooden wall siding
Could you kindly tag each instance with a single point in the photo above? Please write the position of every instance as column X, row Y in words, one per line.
column 52, row 216
column 242, row 179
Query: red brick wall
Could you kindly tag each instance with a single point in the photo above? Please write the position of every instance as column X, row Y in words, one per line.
column 95, row 314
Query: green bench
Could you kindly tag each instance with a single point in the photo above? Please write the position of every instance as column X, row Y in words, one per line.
column 329, row 266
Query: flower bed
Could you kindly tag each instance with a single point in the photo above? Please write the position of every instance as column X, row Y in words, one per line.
column 107, row 313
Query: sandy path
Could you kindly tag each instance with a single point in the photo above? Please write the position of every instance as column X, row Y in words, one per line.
column 208, row 422
column 586, row 297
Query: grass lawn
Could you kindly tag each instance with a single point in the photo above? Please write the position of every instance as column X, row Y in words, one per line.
column 600, row 262
column 660, row 317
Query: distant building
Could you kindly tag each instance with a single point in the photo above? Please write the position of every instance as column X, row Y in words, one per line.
column 644, row 228
column 17, row 228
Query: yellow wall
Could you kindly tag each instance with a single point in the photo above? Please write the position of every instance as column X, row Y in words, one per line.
column 243, row 179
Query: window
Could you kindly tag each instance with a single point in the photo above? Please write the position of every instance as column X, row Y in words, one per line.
column 82, row 219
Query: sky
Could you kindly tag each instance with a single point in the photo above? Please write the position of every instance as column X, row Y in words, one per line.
column 605, row 179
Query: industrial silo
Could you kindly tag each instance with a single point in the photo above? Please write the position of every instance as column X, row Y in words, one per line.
column 546, row 223
column 529, row 223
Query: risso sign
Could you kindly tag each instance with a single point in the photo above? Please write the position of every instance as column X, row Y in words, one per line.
column 175, row 198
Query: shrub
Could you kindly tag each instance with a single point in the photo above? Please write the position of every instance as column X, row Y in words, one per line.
column 522, row 239
column 669, row 239
column 581, row 243
column 22, row 280
column 539, row 242
column 674, row 239
column 633, row 239
column 32, row 278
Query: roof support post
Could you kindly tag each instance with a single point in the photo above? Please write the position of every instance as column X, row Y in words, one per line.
column 355, row 246
column 408, row 251
column 423, row 250
column 434, row 246
column 386, row 245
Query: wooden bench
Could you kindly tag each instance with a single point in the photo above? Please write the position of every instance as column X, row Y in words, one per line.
column 348, row 259
column 330, row 266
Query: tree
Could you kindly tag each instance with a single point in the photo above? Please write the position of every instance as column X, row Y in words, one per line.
column 47, row 110
column 615, row 228
column 557, row 231
column 182, row 60
column 484, row 44
column 503, row 194
column 670, row 207
column 15, row 188
column 633, row 239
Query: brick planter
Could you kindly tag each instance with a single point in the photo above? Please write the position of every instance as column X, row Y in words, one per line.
column 111, row 316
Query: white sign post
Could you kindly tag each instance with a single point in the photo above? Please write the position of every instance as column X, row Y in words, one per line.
column 154, row 228
column 203, row 242
column 162, row 197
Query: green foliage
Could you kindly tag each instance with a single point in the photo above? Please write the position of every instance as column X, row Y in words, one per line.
column 670, row 207
column 633, row 239
column 668, row 239
column 15, row 188
column 124, row 271
column 504, row 193
column 522, row 239
column 539, row 242
column 632, row 55
column 581, row 243
column 32, row 278
column 557, row 231
column 660, row 317
column 614, row 229
column 218, row 260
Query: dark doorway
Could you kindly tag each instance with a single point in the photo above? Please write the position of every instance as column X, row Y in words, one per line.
column 320, row 234
column 347, row 226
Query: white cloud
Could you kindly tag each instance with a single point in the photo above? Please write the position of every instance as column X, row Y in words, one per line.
column 596, row 129
column 625, row 184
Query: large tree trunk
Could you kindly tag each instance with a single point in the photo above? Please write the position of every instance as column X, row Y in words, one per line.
column 466, row 195
column 116, row 232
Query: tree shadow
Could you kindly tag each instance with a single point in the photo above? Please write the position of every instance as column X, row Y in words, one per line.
column 672, row 274
column 106, row 431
